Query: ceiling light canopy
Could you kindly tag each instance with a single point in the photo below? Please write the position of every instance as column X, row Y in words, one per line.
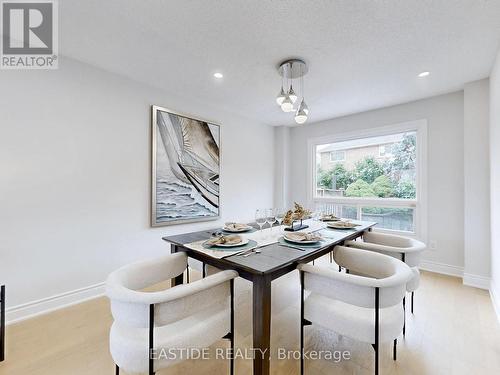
column 291, row 70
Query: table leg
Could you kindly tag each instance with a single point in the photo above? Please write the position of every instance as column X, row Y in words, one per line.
column 261, row 325
column 178, row 280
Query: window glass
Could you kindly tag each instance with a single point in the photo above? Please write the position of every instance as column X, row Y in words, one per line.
column 375, row 167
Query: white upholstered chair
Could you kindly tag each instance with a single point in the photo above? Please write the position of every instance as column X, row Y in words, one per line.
column 406, row 249
column 366, row 308
column 188, row 316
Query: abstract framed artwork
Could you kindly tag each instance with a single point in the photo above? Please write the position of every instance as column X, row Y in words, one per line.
column 185, row 168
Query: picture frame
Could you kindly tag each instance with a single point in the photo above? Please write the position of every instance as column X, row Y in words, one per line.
column 185, row 168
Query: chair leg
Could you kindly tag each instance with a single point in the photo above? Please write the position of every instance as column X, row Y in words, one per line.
column 301, row 322
column 151, row 338
column 2, row 323
column 340, row 269
column 331, row 257
column 117, row 370
column 404, row 316
column 376, row 346
column 394, row 349
column 203, row 271
column 187, row 274
column 231, row 360
column 412, row 294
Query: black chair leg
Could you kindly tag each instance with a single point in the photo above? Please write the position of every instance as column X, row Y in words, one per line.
column 331, row 257
column 377, row 317
column 412, row 294
column 301, row 323
column 117, row 370
column 394, row 349
column 2, row 323
column 187, row 274
column 404, row 316
column 231, row 361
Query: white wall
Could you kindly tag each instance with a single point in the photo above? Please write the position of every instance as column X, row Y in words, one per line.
column 74, row 176
column 476, row 184
column 281, row 166
column 495, row 181
column 445, row 174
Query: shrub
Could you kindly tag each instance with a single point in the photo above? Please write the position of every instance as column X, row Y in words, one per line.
column 382, row 186
column 405, row 189
column 359, row 188
column 368, row 169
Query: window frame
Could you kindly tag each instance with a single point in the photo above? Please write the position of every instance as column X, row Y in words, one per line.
column 339, row 160
column 419, row 204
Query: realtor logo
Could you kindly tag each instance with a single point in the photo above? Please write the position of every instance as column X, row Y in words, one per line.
column 29, row 34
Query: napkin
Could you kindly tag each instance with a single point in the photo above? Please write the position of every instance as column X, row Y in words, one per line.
column 329, row 218
column 235, row 226
column 344, row 224
column 224, row 240
column 301, row 236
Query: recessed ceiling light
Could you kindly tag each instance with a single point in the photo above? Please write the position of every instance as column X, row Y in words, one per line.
column 218, row 75
column 423, row 74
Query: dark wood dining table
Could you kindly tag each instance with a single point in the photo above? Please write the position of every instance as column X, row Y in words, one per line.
column 274, row 261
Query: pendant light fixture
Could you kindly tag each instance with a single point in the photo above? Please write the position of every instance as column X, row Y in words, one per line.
column 291, row 70
column 281, row 96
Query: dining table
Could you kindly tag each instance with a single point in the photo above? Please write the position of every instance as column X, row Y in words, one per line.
column 271, row 262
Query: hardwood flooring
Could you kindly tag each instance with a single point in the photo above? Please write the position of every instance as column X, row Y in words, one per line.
column 454, row 331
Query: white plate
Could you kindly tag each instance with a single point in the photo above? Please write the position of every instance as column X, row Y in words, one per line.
column 244, row 241
column 237, row 230
column 337, row 225
column 300, row 242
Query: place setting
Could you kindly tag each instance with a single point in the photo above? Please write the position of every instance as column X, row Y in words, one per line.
column 226, row 245
column 233, row 227
column 301, row 240
column 341, row 224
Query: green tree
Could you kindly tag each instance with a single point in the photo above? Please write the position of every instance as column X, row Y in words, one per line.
column 324, row 178
column 405, row 189
column 405, row 153
column 359, row 188
column 382, row 186
column 342, row 176
column 368, row 169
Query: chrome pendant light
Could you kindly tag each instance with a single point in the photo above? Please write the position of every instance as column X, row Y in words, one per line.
column 291, row 70
column 281, row 96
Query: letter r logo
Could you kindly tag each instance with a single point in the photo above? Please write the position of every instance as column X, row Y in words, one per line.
column 27, row 28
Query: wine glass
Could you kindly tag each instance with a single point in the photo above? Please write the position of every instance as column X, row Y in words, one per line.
column 279, row 215
column 270, row 218
column 260, row 218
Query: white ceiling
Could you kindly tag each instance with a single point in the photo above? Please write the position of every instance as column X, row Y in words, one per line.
column 362, row 54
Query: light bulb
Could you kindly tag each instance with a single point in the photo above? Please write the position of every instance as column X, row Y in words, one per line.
column 300, row 117
column 292, row 95
column 301, row 114
column 281, row 96
column 287, row 105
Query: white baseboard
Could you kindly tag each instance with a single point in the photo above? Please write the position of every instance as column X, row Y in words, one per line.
column 46, row 305
column 476, row 281
column 445, row 269
column 495, row 299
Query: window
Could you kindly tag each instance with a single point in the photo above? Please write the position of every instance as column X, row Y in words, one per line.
column 381, row 179
column 336, row 156
column 385, row 151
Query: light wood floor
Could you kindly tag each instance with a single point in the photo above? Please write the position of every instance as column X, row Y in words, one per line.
column 454, row 331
